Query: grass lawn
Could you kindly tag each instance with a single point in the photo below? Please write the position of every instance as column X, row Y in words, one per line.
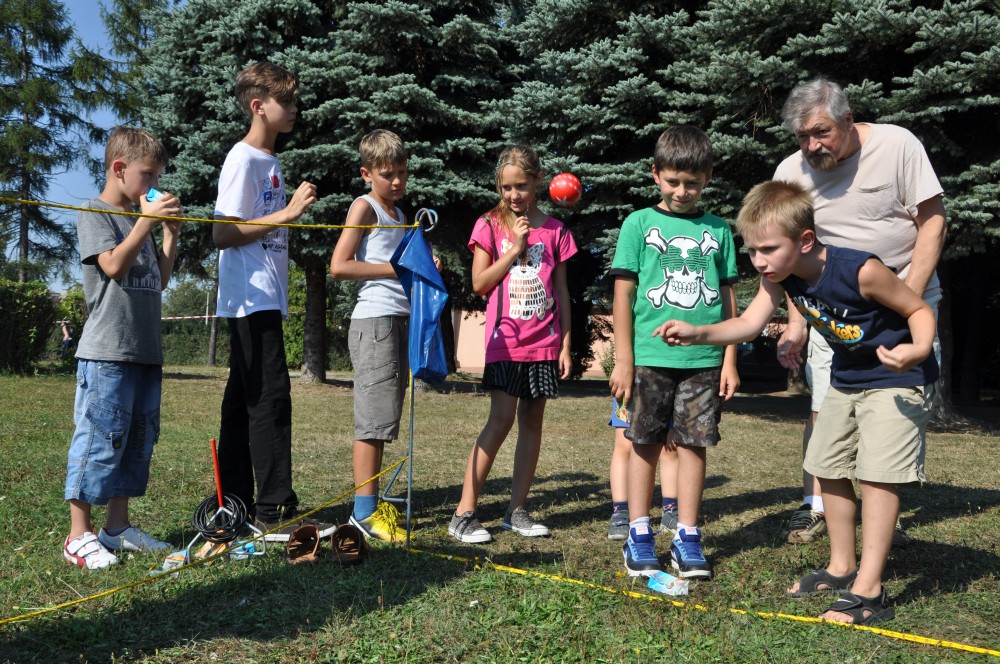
column 435, row 604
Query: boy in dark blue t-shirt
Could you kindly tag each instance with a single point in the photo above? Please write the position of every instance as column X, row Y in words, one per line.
column 873, row 421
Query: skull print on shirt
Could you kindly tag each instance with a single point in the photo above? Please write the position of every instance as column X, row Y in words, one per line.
column 684, row 261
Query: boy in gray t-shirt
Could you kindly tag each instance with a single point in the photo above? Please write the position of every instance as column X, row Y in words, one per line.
column 117, row 407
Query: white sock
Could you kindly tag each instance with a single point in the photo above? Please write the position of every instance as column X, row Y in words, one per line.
column 687, row 529
column 816, row 502
column 640, row 522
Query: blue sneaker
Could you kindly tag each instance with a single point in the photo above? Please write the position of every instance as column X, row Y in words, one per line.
column 640, row 552
column 686, row 556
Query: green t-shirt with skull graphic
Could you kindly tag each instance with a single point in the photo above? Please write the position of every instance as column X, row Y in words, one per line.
column 680, row 262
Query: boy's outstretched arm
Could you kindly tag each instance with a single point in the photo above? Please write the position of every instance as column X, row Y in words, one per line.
column 733, row 331
column 623, row 374
column 343, row 264
column 226, row 236
column 877, row 282
column 729, row 381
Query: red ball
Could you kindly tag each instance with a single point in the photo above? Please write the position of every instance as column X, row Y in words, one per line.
column 565, row 189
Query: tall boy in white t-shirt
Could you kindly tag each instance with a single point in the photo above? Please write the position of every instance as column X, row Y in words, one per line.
column 255, row 437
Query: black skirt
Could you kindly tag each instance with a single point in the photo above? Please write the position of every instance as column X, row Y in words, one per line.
column 525, row 380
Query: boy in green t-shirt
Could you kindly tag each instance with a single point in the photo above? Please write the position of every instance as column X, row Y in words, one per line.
column 672, row 261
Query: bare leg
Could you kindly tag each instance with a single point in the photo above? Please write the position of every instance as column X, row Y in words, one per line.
column 367, row 459
column 503, row 409
column 117, row 515
column 810, row 484
column 619, row 466
column 79, row 518
column 641, row 474
column 841, row 506
column 529, row 443
column 669, row 469
column 690, row 483
column 879, row 509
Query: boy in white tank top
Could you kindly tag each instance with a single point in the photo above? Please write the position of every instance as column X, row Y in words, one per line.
column 378, row 334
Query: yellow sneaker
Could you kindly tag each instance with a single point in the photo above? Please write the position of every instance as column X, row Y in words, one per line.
column 383, row 524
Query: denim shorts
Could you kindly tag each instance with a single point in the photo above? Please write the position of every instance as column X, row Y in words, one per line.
column 380, row 356
column 117, row 415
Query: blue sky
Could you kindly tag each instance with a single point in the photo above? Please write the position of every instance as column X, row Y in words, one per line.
column 76, row 187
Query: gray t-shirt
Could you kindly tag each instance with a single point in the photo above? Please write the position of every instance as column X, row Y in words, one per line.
column 124, row 320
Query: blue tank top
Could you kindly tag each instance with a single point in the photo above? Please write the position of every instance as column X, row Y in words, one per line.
column 855, row 326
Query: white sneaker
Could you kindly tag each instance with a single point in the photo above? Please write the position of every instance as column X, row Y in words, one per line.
column 87, row 551
column 132, row 539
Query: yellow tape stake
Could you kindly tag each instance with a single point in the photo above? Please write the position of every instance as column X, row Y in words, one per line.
column 203, row 220
column 201, row 561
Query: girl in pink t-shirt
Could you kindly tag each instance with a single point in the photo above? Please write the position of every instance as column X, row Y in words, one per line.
column 519, row 263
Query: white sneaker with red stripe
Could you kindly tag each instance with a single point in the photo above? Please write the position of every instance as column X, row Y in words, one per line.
column 88, row 552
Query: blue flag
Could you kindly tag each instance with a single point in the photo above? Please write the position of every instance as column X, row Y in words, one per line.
column 422, row 283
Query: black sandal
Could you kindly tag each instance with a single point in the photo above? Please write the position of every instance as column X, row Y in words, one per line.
column 877, row 609
column 809, row 584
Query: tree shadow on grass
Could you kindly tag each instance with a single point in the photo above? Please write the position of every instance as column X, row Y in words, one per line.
column 262, row 600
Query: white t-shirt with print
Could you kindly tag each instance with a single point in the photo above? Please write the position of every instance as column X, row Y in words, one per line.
column 252, row 277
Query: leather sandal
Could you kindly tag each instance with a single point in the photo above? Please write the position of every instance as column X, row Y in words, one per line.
column 349, row 545
column 302, row 544
column 811, row 582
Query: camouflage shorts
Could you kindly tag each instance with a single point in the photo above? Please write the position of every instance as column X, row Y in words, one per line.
column 688, row 397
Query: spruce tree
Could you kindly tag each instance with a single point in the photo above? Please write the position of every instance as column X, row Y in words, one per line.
column 48, row 82
column 417, row 68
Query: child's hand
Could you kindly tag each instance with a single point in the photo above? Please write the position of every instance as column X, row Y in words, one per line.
column 729, row 382
column 790, row 345
column 166, row 205
column 172, row 227
column 520, row 231
column 675, row 333
column 565, row 364
column 302, row 199
column 903, row 357
column 621, row 382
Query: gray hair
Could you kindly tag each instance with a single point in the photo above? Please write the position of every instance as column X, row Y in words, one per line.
column 819, row 95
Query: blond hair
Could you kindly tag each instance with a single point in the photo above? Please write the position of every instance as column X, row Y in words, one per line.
column 265, row 80
column 382, row 148
column 525, row 158
column 778, row 204
column 131, row 145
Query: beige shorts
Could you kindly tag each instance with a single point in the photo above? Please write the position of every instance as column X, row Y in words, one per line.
column 875, row 435
column 820, row 357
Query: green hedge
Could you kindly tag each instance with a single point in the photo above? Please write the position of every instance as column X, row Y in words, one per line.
column 28, row 312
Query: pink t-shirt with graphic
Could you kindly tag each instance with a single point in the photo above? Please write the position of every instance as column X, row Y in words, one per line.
column 528, row 329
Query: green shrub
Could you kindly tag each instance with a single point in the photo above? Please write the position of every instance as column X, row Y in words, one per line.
column 28, row 312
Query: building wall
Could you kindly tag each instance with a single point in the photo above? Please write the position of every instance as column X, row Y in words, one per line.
column 470, row 349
